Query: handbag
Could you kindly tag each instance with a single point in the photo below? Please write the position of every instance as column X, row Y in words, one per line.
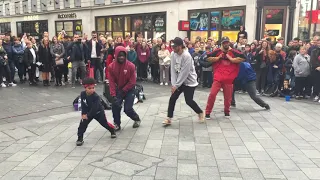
column 59, row 61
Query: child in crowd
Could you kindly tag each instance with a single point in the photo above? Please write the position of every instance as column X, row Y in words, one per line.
column 286, row 90
column 132, row 54
column 91, row 109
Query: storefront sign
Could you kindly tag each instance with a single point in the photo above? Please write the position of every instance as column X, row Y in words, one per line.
column 232, row 19
column 184, row 26
column 5, row 20
column 68, row 15
column 199, row 21
column 31, row 18
column 159, row 24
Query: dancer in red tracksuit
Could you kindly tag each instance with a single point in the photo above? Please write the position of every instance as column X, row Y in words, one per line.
column 226, row 67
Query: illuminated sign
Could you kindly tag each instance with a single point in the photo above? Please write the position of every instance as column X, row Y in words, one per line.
column 31, row 18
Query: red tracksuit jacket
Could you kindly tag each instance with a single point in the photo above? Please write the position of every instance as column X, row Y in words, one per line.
column 121, row 76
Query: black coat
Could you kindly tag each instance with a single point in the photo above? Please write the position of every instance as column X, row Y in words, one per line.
column 98, row 48
column 45, row 58
column 28, row 57
column 71, row 50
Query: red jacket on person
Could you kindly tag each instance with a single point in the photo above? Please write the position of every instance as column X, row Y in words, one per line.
column 121, row 76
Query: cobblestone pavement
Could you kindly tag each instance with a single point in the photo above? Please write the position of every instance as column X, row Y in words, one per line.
column 38, row 140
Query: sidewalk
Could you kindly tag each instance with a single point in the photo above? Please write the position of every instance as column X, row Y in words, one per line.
column 253, row 144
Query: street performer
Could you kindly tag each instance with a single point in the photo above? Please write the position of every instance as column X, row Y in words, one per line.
column 226, row 68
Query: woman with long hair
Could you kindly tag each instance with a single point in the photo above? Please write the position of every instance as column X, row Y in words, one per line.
column 164, row 62
column 57, row 51
column 275, row 64
column 262, row 70
column 46, row 59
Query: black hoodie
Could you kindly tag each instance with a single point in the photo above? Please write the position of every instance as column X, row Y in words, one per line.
column 244, row 32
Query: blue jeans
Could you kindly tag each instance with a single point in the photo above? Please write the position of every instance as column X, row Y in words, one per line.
column 128, row 107
column 292, row 79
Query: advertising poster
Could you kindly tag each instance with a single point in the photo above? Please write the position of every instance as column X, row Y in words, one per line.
column 137, row 23
column 159, row 24
column 232, row 19
column 199, row 21
column 215, row 20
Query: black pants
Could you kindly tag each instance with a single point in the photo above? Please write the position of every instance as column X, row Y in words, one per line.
column 58, row 72
column 261, row 79
column 100, row 117
column 303, row 86
column 32, row 73
column 65, row 70
column 250, row 87
column 5, row 72
column 21, row 69
column 188, row 96
column 155, row 72
column 142, row 70
column 316, row 82
column 96, row 62
column 207, row 79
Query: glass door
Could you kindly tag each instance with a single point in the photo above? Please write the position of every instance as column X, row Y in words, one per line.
column 274, row 22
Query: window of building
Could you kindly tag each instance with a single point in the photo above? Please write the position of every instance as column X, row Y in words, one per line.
column 7, row 9
column 66, row 4
column 77, row 3
column 309, row 21
column 70, row 27
column 99, row 2
column 25, row 7
column 17, row 7
column 149, row 25
column 216, row 23
column 32, row 28
column 56, row 4
column 43, row 5
column 1, row 9
column 5, row 27
column 34, row 6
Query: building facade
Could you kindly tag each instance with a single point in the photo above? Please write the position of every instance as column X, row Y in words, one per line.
column 153, row 18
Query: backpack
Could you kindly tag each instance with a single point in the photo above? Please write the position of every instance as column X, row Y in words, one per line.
column 138, row 91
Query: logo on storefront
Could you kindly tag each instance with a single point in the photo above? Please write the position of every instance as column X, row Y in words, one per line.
column 31, row 18
column 68, row 15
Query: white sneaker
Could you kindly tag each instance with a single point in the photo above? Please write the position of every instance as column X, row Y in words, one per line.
column 161, row 84
column 3, row 85
column 12, row 84
column 319, row 101
column 166, row 84
column 316, row 99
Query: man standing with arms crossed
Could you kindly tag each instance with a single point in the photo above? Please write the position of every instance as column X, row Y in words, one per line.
column 226, row 68
column 95, row 51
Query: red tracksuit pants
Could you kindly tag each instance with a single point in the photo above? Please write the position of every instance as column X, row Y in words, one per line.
column 108, row 62
column 227, row 93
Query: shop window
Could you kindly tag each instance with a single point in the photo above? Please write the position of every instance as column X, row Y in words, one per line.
column 59, row 27
column 17, row 7
column 215, row 20
column 214, row 35
column 273, row 23
column 19, row 28
column 78, row 27
column 233, row 35
column 101, row 24
column 232, row 20
column 5, row 27
column 127, row 24
column 147, row 23
column 109, row 24
column 202, row 34
column 137, row 24
column 199, row 21
column 117, row 34
column 34, row 6
column 117, row 24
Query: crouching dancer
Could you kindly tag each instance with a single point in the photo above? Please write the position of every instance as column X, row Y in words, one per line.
column 247, row 78
column 122, row 80
column 91, row 109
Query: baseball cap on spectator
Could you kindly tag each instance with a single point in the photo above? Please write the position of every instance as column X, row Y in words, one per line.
column 225, row 39
column 177, row 42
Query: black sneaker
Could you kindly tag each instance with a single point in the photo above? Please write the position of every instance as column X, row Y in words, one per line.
column 233, row 104
column 136, row 124
column 113, row 134
column 117, row 127
column 267, row 107
column 227, row 115
column 80, row 141
column 208, row 117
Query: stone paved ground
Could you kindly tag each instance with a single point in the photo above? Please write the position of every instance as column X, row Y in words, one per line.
column 254, row 144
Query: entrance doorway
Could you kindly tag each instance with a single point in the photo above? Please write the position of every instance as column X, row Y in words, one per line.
column 274, row 22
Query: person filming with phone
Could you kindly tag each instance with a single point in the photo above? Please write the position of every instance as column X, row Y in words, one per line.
column 77, row 56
